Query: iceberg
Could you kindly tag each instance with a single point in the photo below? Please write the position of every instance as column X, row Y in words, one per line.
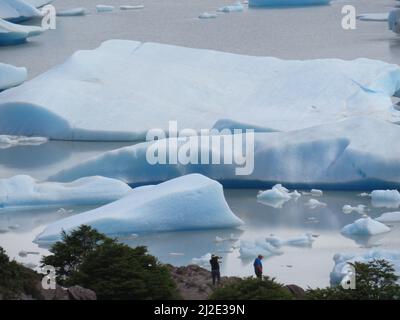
column 360, row 209
column 128, row 7
column 364, row 227
column 287, row 3
column 24, row 191
column 207, row 15
column 385, row 195
column 11, row 33
column 11, row 76
column 191, row 202
column 13, row 141
column 72, row 12
column 277, row 196
column 251, row 249
column 281, row 95
column 389, row 217
column 238, row 7
column 104, row 8
column 347, row 154
column 374, row 17
column 17, row 10
column 342, row 259
column 316, row 192
column 305, row 240
column 315, row 204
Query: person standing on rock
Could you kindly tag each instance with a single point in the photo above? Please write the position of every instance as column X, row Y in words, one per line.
column 258, row 267
column 214, row 262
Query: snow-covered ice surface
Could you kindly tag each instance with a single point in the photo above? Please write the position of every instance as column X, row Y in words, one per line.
column 364, row 227
column 341, row 260
column 286, row 3
column 79, row 11
column 191, row 202
column 12, row 33
column 264, row 91
column 24, row 191
column 11, row 76
column 17, row 10
column 348, row 154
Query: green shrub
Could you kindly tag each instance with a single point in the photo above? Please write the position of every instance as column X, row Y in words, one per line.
column 113, row 270
column 252, row 289
column 16, row 279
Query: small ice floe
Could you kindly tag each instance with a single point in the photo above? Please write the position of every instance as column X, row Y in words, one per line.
column 361, row 209
column 72, row 12
column 251, row 249
column 63, row 211
column 385, row 198
column 364, row 227
column 389, row 217
column 305, row 240
column 24, row 254
column 176, row 253
column 394, row 20
column 104, row 8
column 207, row 15
column 128, row 7
column 364, row 194
column 13, row 141
column 314, row 204
column 203, row 261
column 238, row 7
column 231, row 238
column 277, row 196
column 379, row 17
column 11, row 76
column 317, row 193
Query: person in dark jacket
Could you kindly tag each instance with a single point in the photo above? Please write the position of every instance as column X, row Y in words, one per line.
column 258, row 267
column 214, row 262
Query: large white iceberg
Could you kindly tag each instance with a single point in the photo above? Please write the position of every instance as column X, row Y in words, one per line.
column 17, row 10
column 364, row 227
column 24, row 191
column 342, row 259
column 356, row 153
column 286, row 3
column 186, row 203
column 11, row 76
column 12, row 33
column 109, row 93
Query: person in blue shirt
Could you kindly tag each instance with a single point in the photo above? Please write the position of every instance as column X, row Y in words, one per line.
column 258, row 267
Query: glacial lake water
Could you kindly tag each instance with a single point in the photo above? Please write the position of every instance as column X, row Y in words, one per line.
column 295, row 33
column 305, row 266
